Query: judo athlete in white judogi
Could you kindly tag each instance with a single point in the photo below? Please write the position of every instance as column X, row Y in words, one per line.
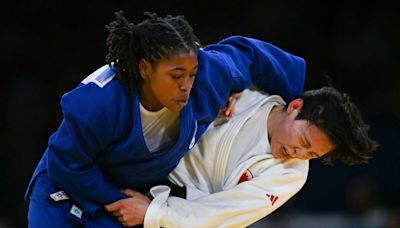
column 245, row 168
column 217, row 171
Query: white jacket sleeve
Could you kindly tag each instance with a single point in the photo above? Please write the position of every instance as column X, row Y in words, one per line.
column 274, row 182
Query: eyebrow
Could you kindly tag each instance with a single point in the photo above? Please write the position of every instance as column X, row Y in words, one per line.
column 304, row 141
column 183, row 69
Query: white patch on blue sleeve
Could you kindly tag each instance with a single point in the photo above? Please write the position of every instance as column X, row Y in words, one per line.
column 59, row 196
column 75, row 210
column 101, row 76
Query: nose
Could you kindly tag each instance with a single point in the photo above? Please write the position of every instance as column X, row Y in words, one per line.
column 186, row 84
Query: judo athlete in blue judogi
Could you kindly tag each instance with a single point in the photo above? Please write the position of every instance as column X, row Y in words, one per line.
column 129, row 123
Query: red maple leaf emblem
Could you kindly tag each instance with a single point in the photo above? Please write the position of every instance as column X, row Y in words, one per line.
column 247, row 175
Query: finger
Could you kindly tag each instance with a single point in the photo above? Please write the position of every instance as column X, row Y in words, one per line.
column 120, row 219
column 113, row 206
column 117, row 213
column 229, row 109
column 129, row 192
column 232, row 103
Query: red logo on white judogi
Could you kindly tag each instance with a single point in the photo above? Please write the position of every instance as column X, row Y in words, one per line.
column 247, row 175
column 272, row 198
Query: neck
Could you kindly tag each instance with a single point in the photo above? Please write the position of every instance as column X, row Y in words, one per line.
column 274, row 118
column 147, row 99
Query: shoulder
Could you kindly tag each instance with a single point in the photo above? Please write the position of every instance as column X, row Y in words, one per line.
column 98, row 92
column 222, row 47
column 230, row 54
column 233, row 43
column 237, row 39
column 216, row 59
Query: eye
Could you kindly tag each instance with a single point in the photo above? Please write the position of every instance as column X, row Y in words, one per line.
column 176, row 76
column 304, row 142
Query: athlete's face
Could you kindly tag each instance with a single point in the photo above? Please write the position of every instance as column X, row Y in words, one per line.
column 298, row 139
column 168, row 83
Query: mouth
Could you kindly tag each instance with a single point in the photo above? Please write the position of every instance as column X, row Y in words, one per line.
column 182, row 101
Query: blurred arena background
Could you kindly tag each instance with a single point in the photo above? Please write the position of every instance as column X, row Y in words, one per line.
column 48, row 47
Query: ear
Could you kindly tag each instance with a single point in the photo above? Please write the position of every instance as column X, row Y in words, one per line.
column 295, row 104
column 144, row 68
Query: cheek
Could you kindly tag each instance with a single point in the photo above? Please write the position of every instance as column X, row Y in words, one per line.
column 164, row 87
column 283, row 135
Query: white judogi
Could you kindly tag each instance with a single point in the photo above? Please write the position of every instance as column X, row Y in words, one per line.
column 231, row 176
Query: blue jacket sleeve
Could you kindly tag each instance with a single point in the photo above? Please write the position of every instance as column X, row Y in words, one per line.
column 72, row 150
column 253, row 61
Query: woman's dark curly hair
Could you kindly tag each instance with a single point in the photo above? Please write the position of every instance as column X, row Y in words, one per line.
column 335, row 114
column 152, row 39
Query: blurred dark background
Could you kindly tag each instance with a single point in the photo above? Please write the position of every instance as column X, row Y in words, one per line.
column 48, row 47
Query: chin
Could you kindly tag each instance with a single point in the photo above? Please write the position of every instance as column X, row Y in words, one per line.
column 275, row 154
column 174, row 108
